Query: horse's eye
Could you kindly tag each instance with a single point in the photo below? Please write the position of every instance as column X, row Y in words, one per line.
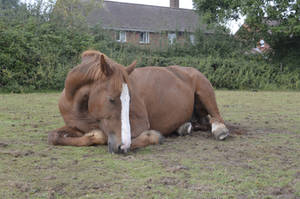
column 112, row 100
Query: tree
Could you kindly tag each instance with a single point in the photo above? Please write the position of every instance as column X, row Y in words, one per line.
column 260, row 13
column 277, row 21
column 73, row 13
column 7, row 4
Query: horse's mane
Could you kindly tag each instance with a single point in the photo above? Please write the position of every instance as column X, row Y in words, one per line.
column 89, row 70
column 91, row 65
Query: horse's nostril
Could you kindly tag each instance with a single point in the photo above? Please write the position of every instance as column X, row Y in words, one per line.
column 120, row 150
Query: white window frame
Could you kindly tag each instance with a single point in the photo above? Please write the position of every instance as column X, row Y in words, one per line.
column 192, row 39
column 144, row 37
column 121, row 36
column 172, row 37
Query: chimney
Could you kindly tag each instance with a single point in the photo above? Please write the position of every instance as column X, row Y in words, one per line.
column 174, row 3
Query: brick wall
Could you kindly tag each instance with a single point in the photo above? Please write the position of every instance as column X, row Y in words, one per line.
column 156, row 40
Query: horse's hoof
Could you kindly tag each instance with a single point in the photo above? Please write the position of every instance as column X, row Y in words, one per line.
column 185, row 129
column 161, row 139
column 53, row 138
column 155, row 137
column 220, row 131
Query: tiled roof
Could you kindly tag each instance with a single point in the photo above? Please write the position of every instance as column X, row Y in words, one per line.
column 137, row 17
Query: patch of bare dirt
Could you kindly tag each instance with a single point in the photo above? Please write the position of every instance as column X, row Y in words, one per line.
column 59, row 189
column 17, row 153
column 286, row 192
column 50, row 178
column 177, row 168
column 24, row 187
column 169, row 181
column 2, row 144
column 237, row 130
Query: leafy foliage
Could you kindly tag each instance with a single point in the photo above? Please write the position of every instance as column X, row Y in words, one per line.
column 276, row 21
column 259, row 12
column 73, row 13
column 40, row 43
column 8, row 4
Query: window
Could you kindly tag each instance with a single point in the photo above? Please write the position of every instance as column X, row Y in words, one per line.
column 262, row 43
column 121, row 36
column 144, row 38
column 192, row 39
column 172, row 37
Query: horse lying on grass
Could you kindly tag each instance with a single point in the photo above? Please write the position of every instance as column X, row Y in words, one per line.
column 106, row 103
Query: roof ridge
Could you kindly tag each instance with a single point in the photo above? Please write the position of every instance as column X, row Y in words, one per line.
column 165, row 7
column 119, row 15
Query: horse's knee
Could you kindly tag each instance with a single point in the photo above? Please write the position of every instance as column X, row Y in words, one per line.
column 219, row 130
column 97, row 137
column 70, row 137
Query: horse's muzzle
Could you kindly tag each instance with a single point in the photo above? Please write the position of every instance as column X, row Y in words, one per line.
column 113, row 146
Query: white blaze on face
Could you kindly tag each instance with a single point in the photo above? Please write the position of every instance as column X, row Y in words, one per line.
column 125, row 122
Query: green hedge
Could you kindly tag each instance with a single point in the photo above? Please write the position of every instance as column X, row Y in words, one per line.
column 234, row 73
column 37, row 52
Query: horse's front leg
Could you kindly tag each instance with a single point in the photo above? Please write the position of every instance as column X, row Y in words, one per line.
column 149, row 137
column 67, row 136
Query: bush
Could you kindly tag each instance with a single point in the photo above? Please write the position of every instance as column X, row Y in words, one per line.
column 37, row 51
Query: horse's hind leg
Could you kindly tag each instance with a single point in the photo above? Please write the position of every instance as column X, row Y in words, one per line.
column 149, row 137
column 70, row 137
column 206, row 95
column 200, row 118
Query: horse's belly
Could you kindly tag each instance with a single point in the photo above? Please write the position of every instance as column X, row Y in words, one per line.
column 170, row 108
column 168, row 96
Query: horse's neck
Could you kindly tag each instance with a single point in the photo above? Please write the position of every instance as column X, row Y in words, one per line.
column 138, row 113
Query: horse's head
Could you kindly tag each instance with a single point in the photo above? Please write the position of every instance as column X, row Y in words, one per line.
column 108, row 97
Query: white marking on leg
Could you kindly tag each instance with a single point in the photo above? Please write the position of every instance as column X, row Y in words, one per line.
column 125, row 121
column 217, row 126
column 222, row 137
column 189, row 128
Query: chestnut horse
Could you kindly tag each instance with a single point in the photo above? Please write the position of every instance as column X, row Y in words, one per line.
column 106, row 103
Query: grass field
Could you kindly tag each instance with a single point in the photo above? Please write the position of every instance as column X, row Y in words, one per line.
column 261, row 160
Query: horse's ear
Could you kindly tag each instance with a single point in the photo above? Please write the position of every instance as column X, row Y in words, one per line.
column 131, row 67
column 105, row 67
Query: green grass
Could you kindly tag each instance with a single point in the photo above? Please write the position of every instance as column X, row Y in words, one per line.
column 262, row 163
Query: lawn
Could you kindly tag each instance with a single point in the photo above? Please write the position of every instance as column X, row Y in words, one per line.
column 261, row 159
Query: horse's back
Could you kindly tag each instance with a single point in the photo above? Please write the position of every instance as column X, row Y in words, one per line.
column 169, row 73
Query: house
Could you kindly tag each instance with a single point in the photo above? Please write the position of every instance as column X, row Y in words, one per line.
column 146, row 25
column 246, row 33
